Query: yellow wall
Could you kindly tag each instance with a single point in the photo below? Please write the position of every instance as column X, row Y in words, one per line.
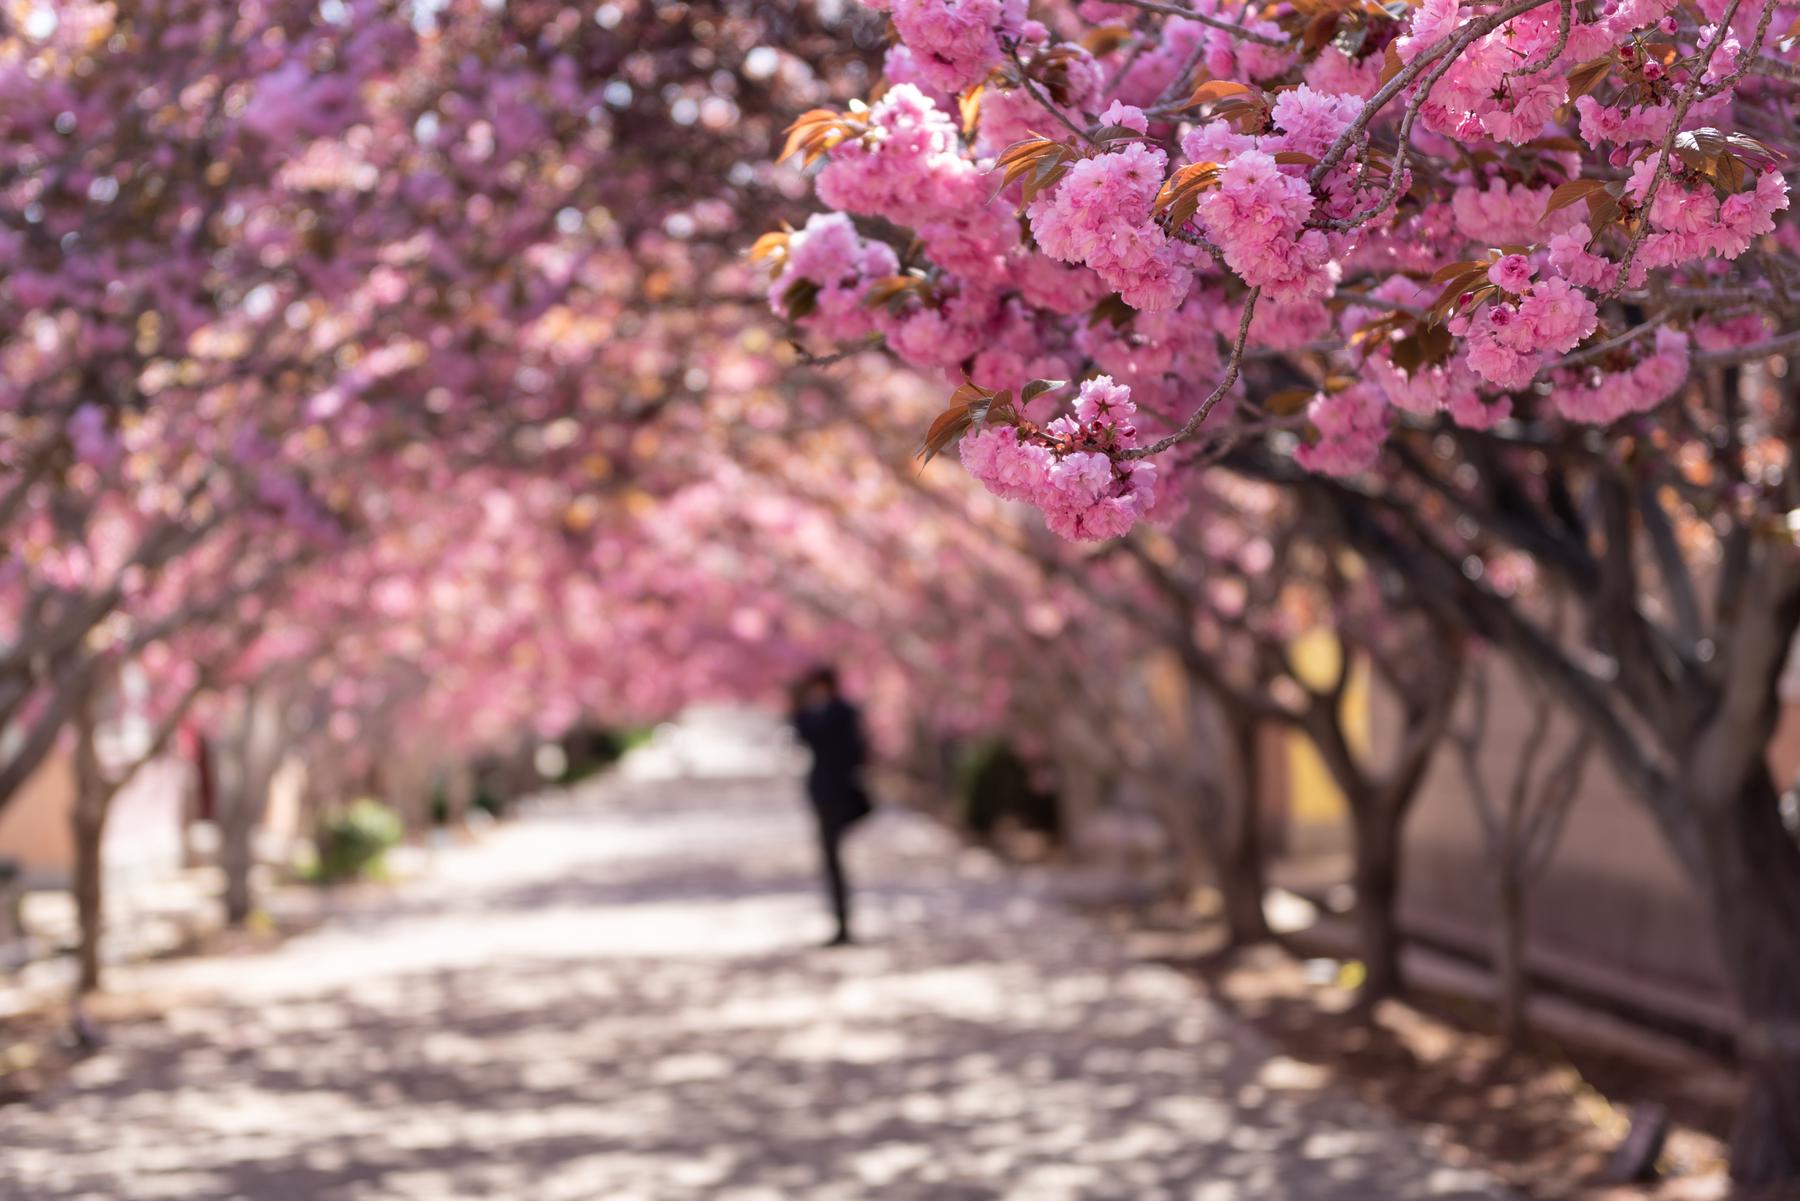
column 1315, row 806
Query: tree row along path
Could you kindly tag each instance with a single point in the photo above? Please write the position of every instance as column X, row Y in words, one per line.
column 617, row 998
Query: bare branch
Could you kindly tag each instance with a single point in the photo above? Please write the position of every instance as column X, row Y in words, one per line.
column 1037, row 94
column 1403, row 79
column 1673, row 566
column 1690, row 92
column 1785, row 344
column 1236, row 31
column 1549, row 57
column 1232, row 366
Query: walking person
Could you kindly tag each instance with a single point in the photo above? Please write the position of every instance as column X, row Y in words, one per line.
column 831, row 728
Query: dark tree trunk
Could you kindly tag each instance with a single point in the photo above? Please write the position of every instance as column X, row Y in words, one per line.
column 1509, row 950
column 1240, row 860
column 89, row 900
column 1241, row 890
column 1377, row 880
column 247, row 768
column 233, row 784
column 1754, row 864
column 87, row 826
column 235, row 840
column 238, row 858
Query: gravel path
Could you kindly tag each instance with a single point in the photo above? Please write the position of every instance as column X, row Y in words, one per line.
column 617, row 999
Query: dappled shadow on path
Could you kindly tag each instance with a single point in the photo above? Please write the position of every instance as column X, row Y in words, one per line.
column 646, row 1022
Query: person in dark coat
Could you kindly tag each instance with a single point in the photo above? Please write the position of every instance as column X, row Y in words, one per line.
column 831, row 728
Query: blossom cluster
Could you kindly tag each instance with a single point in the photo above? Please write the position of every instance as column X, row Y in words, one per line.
column 828, row 254
column 1256, row 218
column 1602, row 397
column 1351, row 426
column 1690, row 222
column 1070, row 467
column 1100, row 215
column 1508, row 342
column 955, row 42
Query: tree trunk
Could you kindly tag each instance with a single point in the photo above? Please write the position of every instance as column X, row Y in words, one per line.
column 246, row 773
column 87, row 824
column 237, row 856
column 1080, row 801
column 1755, row 883
column 1181, row 806
column 1240, row 862
column 1509, row 949
column 88, row 901
column 231, row 781
column 1377, row 880
column 459, row 793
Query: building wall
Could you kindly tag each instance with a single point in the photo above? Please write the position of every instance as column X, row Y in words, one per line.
column 1613, row 912
column 1612, row 897
column 143, row 831
column 34, row 825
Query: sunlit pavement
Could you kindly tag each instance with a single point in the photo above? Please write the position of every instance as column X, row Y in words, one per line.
column 617, row 998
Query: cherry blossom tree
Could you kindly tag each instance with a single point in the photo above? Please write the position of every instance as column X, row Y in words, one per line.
column 1472, row 280
column 271, row 271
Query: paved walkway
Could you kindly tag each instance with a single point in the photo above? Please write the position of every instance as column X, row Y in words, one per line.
column 617, row 1000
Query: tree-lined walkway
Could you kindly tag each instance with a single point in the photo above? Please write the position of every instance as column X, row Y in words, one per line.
column 617, row 1000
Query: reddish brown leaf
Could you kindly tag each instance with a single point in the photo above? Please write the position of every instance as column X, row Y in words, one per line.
column 806, row 127
column 968, row 105
column 801, row 300
column 771, row 245
column 1287, row 401
column 893, row 290
column 945, row 429
column 1102, row 40
column 1319, row 32
column 1454, row 270
column 1573, row 192
column 1391, row 63
column 1603, row 210
column 1588, row 76
column 1218, row 89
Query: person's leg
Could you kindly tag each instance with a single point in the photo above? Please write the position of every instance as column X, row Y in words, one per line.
column 831, row 838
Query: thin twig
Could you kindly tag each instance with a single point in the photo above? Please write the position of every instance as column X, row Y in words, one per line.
column 1563, row 17
column 1012, row 52
column 1785, row 344
column 1140, row 45
column 1600, row 348
column 1187, row 235
column 1397, row 171
column 1174, row 89
column 1690, row 92
column 1775, row 68
column 1746, row 60
column 1404, row 77
column 1206, row 406
column 810, row 359
column 1236, row 31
